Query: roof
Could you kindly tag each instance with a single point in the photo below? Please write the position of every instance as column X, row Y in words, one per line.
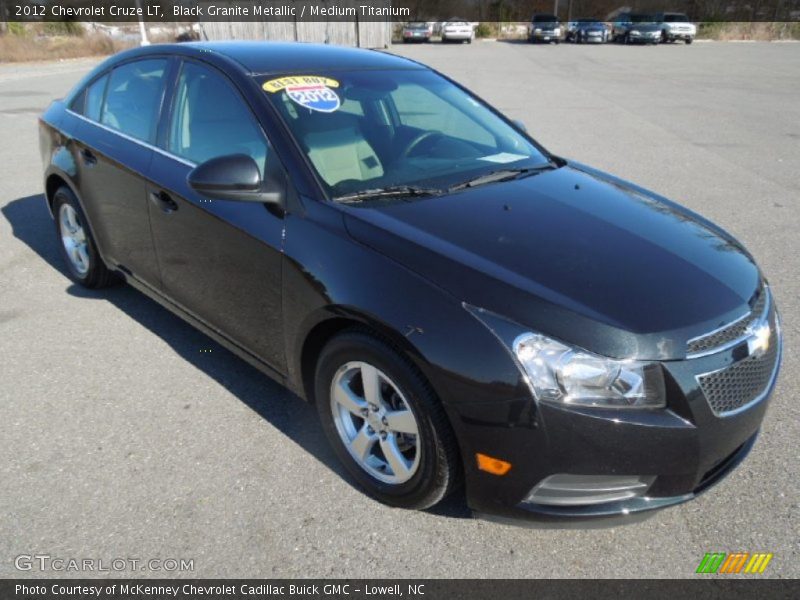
column 298, row 57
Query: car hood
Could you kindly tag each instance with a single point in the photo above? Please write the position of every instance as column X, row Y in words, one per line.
column 575, row 254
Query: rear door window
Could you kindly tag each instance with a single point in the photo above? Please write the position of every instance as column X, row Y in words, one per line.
column 94, row 98
column 133, row 99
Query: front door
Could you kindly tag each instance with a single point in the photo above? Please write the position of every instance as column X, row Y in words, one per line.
column 220, row 259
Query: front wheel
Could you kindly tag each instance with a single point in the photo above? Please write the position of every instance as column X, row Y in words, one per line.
column 385, row 423
column 689, row 41
column 76, row 242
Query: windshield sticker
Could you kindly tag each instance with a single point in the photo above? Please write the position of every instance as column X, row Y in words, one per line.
column 503, row 157
column 311, row 91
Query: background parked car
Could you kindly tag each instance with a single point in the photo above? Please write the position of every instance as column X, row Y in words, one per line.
column 587, row 30
column 620, row 26
column 636, row 29
column 545, row 28
column 417, row 31
column 676, row 26
column 458, row 30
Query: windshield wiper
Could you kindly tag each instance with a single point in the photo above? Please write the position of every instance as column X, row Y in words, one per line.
column 500, row 175
column 407, row 191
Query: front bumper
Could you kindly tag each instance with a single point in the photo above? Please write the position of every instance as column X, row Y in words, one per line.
column 681, row 450
column 544, row 36
column 589, row 37
column 644, row 38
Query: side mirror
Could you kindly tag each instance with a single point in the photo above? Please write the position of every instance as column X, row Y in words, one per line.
column 520, row 125
column 233, row 177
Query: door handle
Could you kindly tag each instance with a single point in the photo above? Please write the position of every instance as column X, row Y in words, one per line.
column 88, row 157
column 163, row 201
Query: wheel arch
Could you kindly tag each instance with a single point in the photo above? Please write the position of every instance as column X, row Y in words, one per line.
column 54, row 179
column 332, row 322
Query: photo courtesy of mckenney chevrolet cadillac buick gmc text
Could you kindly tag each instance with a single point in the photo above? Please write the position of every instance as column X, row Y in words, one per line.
column 460, row 304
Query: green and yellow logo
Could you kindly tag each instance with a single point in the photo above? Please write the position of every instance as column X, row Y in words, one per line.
column 736, row 562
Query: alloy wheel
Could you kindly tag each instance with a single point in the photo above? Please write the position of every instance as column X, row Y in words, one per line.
column 73, row 237
column 375, row 422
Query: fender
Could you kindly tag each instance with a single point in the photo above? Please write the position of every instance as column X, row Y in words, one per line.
column 440, row 340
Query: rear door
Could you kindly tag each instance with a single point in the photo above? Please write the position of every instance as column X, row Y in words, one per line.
column 220, row 259
column 119, row 116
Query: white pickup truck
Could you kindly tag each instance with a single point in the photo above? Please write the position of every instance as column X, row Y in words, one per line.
column 676, row 26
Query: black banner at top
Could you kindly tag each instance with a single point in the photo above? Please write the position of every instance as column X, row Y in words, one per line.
column 110, row 11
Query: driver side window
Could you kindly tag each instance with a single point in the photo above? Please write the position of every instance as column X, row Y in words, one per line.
column 211, row 119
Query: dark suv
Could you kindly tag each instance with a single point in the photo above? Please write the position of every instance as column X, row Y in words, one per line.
column 545, row 28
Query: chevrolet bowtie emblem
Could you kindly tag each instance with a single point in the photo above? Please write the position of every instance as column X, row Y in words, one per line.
column 758, row 339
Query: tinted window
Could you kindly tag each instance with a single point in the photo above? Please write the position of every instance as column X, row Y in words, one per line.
column 134, row 98
column 210, row 119
column 78, row 101
column 94, row 98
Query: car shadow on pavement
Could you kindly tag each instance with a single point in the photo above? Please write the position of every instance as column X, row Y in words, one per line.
column 291, row 415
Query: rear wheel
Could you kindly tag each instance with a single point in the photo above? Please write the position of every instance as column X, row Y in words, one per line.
column 689, row 41
column 385, row 423
column 77, row 244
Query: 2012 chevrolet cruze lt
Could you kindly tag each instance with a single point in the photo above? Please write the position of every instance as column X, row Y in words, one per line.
column 460, row 304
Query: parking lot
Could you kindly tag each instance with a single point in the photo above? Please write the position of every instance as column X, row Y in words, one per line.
column 125, row 433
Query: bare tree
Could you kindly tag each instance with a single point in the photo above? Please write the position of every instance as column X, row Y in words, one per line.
column 3, row 18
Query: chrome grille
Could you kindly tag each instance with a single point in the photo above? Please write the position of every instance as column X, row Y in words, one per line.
column 741, row 384
column 730, row 333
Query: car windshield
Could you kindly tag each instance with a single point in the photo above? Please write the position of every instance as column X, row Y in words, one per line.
column 643, row 19
column 676, row 18
column 417, row 25
column 366, row 131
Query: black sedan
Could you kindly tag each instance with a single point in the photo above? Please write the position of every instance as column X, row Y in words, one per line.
column 460, row 304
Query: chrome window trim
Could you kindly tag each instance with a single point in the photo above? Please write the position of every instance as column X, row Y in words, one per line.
column 130, row 138
column 767, row 388
column 735, row 342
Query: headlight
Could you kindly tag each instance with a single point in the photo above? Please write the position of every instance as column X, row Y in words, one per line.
column 557, row 31
column 561, row 374
column 537, row 30
column 634, row 32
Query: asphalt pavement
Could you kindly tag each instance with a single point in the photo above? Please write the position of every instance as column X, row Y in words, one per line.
column 125, row 433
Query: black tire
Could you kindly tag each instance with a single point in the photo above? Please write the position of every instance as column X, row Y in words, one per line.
column 688, row 41
column 439, row 470
column 97, row 275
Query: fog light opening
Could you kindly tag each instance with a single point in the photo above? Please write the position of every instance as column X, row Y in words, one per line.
column 583, row 490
